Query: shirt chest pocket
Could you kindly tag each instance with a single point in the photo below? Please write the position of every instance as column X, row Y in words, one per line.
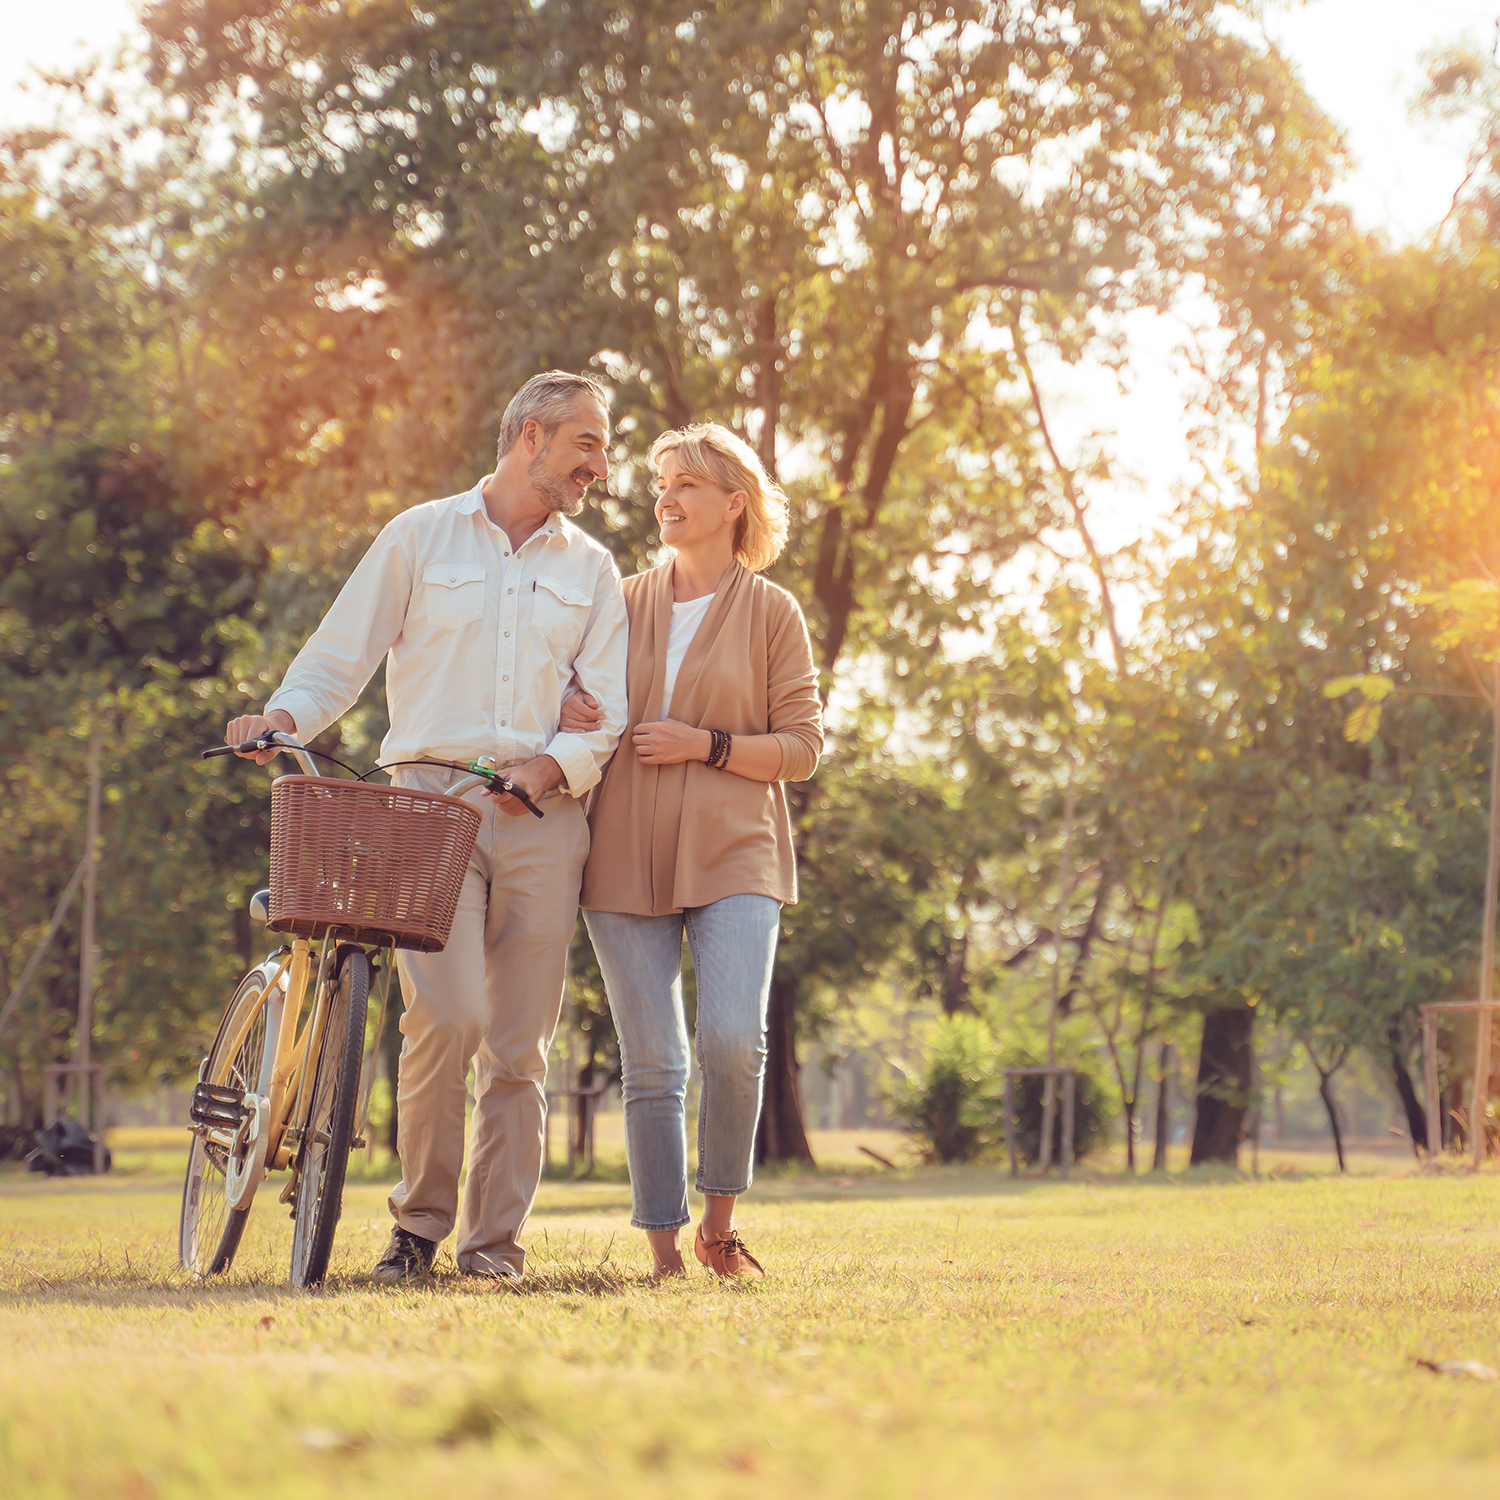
column 559, row 612
column 453, row 594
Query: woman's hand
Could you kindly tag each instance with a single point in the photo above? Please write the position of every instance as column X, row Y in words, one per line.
column 581, row 714
column 668, row 743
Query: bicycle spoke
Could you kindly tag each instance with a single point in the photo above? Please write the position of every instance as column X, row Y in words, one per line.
column 210, row 1230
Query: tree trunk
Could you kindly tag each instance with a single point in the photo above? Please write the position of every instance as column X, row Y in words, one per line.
column 1129, row 1094
column 244, row 937
column 1325, row 1092
column 1163, row 1117
column 1223, row 1085
column 1085, row 943
column 782, row 1135
column 1416, row 1116
column 955, row 995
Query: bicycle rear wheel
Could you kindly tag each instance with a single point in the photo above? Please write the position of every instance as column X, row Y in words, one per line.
column 329, row 1134
column 209, row 1231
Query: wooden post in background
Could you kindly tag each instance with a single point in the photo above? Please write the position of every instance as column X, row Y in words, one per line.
column 1010, row 1120
column 1487, row 935
column 87, row 959
column 1070, row 1111
column 1430, row 1081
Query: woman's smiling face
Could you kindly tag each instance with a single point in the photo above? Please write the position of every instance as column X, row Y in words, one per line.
column 692, row 510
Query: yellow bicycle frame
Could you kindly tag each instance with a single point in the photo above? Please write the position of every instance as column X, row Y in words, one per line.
column 292, row 1050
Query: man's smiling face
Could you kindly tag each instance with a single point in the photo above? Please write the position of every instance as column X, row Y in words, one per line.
column 572, row 458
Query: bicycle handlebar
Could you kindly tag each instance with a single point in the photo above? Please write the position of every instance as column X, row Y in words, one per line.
column 276, row 740
column 265, row 742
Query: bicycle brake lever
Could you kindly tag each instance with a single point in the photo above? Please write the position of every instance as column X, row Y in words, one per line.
column 499, row 783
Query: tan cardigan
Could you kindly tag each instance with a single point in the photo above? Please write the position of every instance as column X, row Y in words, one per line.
column 668, row 837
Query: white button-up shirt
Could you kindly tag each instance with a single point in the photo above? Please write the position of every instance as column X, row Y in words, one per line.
column 483, row 641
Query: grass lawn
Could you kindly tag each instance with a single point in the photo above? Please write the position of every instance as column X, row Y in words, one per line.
column 928, row 1332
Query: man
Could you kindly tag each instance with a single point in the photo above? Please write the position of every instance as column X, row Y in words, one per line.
column 488, row 604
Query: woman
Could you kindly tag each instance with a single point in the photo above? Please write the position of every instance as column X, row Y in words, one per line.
column 691, row 833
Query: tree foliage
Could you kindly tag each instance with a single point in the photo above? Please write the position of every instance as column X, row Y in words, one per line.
column 288, row 300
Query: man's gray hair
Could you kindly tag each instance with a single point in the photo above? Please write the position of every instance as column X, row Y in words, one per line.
column 548, row 399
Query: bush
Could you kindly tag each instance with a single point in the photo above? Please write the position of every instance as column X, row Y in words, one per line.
column 951, row 1106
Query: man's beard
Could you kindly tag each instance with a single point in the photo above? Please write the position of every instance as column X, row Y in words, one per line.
column 552, row 488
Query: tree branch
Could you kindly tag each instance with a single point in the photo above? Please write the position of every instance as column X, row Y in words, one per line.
column 1071, row 491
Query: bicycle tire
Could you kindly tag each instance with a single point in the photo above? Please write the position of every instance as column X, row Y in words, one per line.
column 209, row 1229
column 323, row 1157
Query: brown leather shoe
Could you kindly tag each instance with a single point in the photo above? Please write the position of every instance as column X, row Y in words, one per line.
column 725, row 1255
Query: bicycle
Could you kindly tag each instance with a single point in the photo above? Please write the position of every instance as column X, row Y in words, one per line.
column 357, row 870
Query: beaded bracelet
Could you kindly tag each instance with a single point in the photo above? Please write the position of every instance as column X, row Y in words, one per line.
column 718, row 753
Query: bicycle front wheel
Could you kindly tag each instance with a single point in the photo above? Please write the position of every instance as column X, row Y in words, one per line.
column 328, row 1135
column 209, row 1231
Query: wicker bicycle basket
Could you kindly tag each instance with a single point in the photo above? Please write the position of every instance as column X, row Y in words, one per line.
column 379, row 863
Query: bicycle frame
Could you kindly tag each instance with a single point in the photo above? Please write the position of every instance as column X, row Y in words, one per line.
column 281, row 1066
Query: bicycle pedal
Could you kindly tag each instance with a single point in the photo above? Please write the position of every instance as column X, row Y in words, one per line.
column 213, row 1104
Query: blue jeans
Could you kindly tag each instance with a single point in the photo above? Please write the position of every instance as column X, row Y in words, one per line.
column 733, row 943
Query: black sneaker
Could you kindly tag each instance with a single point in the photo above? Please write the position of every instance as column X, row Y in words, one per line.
column 406, row 1256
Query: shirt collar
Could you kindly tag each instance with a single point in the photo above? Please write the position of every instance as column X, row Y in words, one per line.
column 472, row 502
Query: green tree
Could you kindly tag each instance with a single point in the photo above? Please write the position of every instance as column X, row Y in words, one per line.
column 840, row 229
column 125, row 592
column 1335, row 875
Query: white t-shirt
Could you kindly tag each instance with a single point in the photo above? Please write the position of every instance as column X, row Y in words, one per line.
column 686, row 618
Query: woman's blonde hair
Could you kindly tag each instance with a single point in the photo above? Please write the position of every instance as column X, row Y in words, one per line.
column 713, row 453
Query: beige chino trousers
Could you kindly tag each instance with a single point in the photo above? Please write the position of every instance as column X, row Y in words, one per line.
column 493, row 997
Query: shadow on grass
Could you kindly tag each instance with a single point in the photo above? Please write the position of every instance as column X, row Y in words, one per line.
column 557, row 1265
column 182, row 1293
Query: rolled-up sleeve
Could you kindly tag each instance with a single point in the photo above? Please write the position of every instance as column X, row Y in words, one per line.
column 599, row 669
column 331, row 670
column 795, row 708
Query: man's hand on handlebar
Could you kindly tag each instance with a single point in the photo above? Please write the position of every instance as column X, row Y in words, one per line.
column 535, row 777
column 254, row 726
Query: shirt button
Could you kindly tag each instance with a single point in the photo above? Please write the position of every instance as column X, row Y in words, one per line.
column 506, row 678
column 510, row 591
column 507, row 635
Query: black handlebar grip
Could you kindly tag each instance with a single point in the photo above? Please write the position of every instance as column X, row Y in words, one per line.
column 500, row 784
column 524, row 800
column 235, row 749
